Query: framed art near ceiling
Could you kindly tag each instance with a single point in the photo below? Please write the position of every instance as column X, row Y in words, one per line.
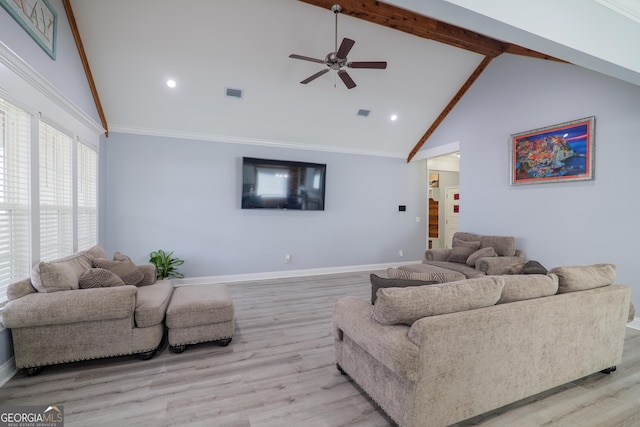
column 38, row 18
column 558, row 153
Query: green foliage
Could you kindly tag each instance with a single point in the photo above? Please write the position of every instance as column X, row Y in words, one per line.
column 165, row 264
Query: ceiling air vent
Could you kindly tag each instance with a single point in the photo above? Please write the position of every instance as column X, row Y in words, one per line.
column 234, row 93
column 363, row 113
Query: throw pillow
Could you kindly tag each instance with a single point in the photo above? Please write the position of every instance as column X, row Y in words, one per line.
column 461, row 250
column 436, row 274
column 406, row 305
column 533, row 267
column 480, row 253
column 57, row 276
column 581, row 278
column 125, row 270
column 378, row 282
column 99, row 278
column 117, row 256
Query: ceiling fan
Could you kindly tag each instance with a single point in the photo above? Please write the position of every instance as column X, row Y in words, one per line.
column 338, row 58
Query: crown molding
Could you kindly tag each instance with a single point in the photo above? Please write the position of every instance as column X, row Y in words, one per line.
column 19, row 67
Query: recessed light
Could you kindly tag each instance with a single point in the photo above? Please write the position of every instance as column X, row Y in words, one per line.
column 171, row 83
column 394, row 117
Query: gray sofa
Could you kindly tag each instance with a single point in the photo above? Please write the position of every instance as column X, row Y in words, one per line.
column 85, row 306
column 438, row 354
column 476, row 255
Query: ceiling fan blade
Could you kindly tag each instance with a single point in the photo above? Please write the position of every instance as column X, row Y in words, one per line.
column 315, row 76
column 344, row 48
column 346, row 79
column 306, row 58
column 378, row 65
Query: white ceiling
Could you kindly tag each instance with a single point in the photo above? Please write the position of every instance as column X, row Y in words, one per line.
column 133, row 47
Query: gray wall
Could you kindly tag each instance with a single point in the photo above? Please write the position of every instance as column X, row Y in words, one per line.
column 556, row 223
column 66, row 72
column 184, row 195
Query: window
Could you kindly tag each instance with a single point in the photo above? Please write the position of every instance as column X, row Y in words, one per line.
column 56, row 207
column 87, row 196
column 53, row 194
column 14, row 195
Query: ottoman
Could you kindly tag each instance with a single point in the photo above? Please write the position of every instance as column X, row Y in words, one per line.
column 199, row 313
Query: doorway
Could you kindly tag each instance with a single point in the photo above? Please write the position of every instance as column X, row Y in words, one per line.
column 444, row 177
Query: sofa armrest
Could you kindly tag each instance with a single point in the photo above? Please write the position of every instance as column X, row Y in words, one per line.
column 437, row 254
column 498, row 265
column 149, row 271
column 80, row 305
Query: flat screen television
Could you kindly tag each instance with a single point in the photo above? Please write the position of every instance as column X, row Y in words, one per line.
column 282, row 184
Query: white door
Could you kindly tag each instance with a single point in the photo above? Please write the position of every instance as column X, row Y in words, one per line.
column 451, row 214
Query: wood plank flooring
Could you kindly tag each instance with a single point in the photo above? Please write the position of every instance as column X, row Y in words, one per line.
column 279, row 370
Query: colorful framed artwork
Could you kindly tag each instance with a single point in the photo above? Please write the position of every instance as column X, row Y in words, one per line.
column 38, row 18
column 558, row 153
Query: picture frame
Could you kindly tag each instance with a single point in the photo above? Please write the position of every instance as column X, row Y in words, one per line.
column 38, row 18
column 557, row 153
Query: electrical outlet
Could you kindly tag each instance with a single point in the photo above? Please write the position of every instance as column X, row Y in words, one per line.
column 401, row 253
column 287, row 259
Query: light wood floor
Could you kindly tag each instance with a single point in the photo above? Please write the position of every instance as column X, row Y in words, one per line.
column 279, row 370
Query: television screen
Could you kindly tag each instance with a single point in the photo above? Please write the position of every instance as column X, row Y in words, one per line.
column 282, row 184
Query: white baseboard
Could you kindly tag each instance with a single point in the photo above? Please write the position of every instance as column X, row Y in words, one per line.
column 284, row 274
column 635, row 324
column 7, row 371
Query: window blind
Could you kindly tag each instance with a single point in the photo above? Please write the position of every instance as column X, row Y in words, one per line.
column 87, row 182
column 15, row 165
column 56, row 203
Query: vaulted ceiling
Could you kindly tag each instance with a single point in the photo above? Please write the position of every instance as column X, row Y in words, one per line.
column 208, row 47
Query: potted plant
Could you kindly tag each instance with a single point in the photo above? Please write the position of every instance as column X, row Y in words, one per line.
column 165, row 264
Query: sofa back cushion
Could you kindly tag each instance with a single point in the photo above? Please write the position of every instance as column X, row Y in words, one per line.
column 528, row 286
column 406, row 305
column 503, row 245
column 582, row 278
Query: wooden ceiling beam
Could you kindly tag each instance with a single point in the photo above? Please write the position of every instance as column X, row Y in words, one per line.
column 85, row 64
column 472, row 78
column 416, row 24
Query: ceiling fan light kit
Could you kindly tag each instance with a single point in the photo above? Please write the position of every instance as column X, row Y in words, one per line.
column 337, row 59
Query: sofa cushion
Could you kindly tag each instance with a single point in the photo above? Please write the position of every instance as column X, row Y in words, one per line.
column 461, row 250
column 126, row 270
column 581, row 278
column 480, row 253
column 406, row 305
column 503, row 245
column 99, row 278
column 151, row 303
column 528, row 286
column 378, row 282
column 148, row 270
column 426, row 272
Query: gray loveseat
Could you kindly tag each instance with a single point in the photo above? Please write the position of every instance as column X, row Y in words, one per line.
column 438, row 354
column 85, row 306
